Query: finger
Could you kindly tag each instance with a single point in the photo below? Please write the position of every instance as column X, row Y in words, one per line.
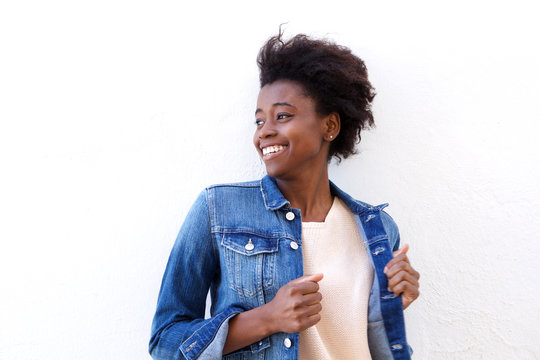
column 312, row 310
column 407, row 289
column 312, row 298
column 392, row 270
column 313, row 278
column 402, row 276
column 403, row 250
column 396, row 260
column 312, row 320
column 303, row 288
column 406, row 301
column 398, row 256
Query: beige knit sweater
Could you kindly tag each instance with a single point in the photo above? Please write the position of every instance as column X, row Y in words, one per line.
column 335, row 248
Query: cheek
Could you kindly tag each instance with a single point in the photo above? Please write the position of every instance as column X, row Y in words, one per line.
column 256, row 141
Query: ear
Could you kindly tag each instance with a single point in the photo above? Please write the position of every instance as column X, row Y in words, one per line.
column 331, row 126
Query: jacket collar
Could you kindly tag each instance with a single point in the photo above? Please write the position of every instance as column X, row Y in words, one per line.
column 274, row 200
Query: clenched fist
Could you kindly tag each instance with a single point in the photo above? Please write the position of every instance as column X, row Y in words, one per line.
column 296, row 305
column 402, row 278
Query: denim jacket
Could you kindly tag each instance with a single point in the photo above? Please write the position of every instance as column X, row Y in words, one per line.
column 236, row 242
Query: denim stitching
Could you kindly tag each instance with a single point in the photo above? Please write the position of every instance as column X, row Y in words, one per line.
column 234, row 261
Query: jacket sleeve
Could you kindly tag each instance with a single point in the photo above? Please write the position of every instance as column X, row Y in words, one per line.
column 179, row 330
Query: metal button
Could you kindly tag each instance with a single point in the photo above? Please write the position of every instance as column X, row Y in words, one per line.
column 294, row 245
column 290, row 216
column 378, row 250
column 249, row 246
column 287, row 342
column 260, row 343
column 370, row 216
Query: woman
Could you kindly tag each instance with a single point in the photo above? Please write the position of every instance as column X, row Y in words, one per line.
column 295, row 266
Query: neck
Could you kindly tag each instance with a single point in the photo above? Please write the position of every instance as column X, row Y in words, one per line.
column 310, row 194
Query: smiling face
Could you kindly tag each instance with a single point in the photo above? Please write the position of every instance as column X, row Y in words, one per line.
column 291, row 137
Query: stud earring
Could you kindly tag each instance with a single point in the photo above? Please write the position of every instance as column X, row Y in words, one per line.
column 331, row 137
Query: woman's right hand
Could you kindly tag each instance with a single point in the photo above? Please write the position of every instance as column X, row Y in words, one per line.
column 296, row 305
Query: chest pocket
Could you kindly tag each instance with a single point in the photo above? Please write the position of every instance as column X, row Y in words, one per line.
column 250, row 261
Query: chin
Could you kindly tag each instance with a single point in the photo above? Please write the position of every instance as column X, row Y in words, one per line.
column 273, row 172
column 281, row 174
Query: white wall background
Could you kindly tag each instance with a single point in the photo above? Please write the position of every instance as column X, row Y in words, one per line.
column 115, row 114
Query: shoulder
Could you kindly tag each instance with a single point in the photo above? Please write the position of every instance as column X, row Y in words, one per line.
column 226, row 196
column 360, row 207
column 232, row 198
column 235, row 190
column 236, row 186
column 388, row 222
column 391, row 229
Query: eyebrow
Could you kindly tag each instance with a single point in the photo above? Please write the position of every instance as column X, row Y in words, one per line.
column 277, row 104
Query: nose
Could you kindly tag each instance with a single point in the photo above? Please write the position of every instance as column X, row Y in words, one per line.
column 266, row 131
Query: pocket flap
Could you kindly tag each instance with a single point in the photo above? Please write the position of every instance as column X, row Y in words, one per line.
column 249, row 244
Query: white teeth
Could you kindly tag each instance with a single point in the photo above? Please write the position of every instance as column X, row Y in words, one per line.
column 272, row 149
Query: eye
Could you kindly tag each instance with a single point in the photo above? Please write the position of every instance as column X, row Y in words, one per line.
column 282, row 116
column 259, row 122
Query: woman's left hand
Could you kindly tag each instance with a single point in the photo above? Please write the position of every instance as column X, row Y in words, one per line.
column 402, row 278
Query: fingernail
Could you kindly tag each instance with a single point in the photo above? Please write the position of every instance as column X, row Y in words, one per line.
column 385, row 269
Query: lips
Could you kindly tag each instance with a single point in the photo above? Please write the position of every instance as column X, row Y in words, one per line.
column 272, row 149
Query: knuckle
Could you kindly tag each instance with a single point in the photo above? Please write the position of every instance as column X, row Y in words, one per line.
column 291, row 290
column 406, row 286
column 396, row 277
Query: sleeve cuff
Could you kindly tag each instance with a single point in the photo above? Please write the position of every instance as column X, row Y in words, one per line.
column 207, row 342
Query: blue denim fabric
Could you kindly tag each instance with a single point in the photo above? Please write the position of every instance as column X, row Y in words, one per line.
column 212, row 253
